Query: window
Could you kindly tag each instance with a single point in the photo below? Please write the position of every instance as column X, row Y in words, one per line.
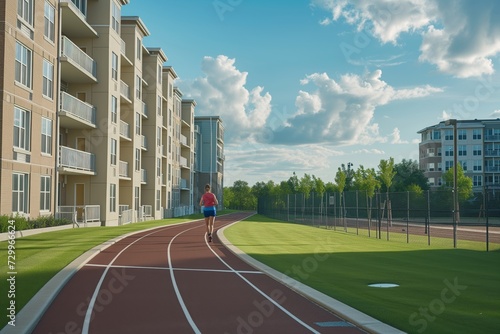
column 139, row 48
column 136, row 198
column 449, row 151
column 48, row 79
column 49, row 30
column 138, row 87
column 158, row 200
column 431, row 181
column 477, row 166
column 158, row 167
column 113, row 151
column 114, row 66
column 462, row 150
column 45, row 193
column 462, row 134
column 25, row 10
column 440, row 166
column 476, row 134
column 114, row 109
column 430, row 152
column 20, row 192
column 23, row 65
column 430, row 167
column 477, row 180
column 436, row 135
column 464, row 165
column 115, row 17
column 448, row 134
column 477, row 150
column 22, row 128
column 112, row 197
column 81, row 5
column 448, row 165
column 158, row 136
column 46, row 135
column 137, row 159
column 159, row 105
column 137, row 123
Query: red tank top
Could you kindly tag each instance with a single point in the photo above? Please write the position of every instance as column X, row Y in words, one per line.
column 208, row 199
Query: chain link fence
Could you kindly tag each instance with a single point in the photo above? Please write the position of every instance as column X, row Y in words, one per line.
column 426, row 217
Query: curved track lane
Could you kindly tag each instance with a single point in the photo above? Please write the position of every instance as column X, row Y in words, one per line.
column 171, row 280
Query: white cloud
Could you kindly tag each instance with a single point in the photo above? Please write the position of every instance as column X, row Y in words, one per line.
column 459, row 37
column 496, row 114
column 341, row 112
column 222, row 91
column 396, row 137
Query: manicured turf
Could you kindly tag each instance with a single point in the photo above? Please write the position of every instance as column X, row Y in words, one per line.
column 39, row 257
column 441, row 290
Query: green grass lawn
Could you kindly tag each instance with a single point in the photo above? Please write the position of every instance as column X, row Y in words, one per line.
column 441, row 289
column 39, row 257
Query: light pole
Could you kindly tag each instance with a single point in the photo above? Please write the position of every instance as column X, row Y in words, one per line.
column 455, row 188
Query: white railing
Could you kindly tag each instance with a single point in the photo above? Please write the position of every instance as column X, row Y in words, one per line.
column 124, row 89
column 123, row 169
column 80, row 58
column 147, row 211
column 126, row 217
column 77, row 107
column 123, row 47
column 122, row 207
column 183, row 162
column 79, row 214
column 144, row 109
column 184, row 140
column 144, row 175
column 69, row 157
column 144, row 142
column 183, row 184
column 125, row 129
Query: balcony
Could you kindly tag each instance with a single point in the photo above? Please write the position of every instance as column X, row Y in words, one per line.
column 76, row 114
column 74, row 22
column 76, row 65
column 183, row 162
column 125, row 92
column 144, row 176
column 492, row 153
column 184, row 141
column 125, row 130
column 76, row 162
column 123, row 170
column 144, row 142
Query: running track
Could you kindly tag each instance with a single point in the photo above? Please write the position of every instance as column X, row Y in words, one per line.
column 170, row 280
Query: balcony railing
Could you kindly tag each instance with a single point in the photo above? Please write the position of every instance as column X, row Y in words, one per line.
column 124, row 90
column 492, row 137
column 490, row 169
column 125, row 129
column 183, row 162
column 144, row 142
column 77, row 108
column 76, row 159
column 184, row 140
column 123, row 169
column 144, row 109
column 73, row 52
column 492, row 153
column 144, row 176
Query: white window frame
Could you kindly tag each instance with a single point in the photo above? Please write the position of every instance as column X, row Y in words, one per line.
column 48, row 79
column 22, row 128
column 45, row 192
column 114, row 109
column 138, row 88
column 115, row 17
column 23, row 65
column 49, row 15
column 25, row 11
column 20, row 192
column 114, row 66
column 137, row 159
column 113, row 151
column 46, row 142
column 112, row 197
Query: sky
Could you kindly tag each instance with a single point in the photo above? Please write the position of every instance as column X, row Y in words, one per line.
column 305, row 86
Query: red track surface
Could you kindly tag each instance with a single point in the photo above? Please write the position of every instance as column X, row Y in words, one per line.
column 170, row 280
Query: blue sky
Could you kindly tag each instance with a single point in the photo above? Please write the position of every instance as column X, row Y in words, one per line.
column 307, row 85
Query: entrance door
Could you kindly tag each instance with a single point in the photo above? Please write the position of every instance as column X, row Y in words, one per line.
column 79, row 200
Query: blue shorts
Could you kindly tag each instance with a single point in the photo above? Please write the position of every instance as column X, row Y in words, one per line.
column 209, row 211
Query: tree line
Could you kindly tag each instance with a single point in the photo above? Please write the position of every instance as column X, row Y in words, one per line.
column 389, row 177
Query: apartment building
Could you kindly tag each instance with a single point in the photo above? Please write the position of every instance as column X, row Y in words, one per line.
column 29, row 44
column 478, row 151
column 102, row 134
column 209, row 158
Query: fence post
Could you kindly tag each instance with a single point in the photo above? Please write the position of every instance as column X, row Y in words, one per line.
column 407, row 217
column 486, row 200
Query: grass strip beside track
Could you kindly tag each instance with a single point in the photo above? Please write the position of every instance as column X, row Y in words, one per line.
column 441, row 289
column 39, row 257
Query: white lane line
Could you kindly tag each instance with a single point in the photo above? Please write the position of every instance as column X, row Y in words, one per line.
column 88, row 314
column 262, row 293
column 176, row 288
column 177, row 269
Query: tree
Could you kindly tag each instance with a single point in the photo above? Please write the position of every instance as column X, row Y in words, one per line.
column 464, row 185
column 386, row 175
column 366, row 180
column 340, row 179
column 242, row 196
column 409, row 173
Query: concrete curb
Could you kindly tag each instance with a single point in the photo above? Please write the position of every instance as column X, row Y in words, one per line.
column 354, row 316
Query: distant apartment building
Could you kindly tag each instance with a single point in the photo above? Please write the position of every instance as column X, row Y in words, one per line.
column 209, row 159
column 478, row 151
column 102, row 134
